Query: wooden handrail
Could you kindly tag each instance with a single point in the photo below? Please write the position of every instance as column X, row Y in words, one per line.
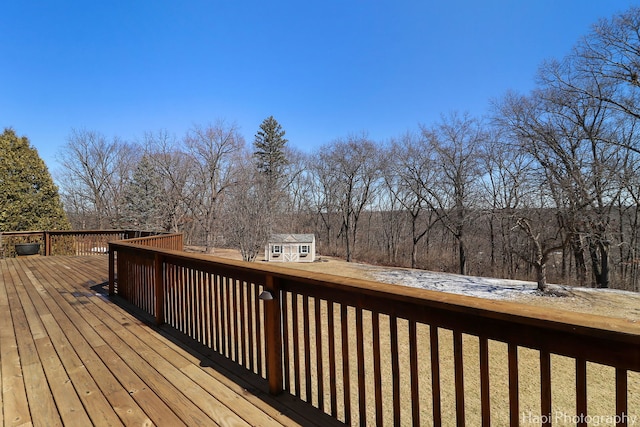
column 314, row 338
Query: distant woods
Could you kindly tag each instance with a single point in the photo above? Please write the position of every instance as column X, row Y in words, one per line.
column 546, row 187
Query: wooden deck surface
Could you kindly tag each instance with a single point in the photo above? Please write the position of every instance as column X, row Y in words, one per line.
column 69, row 355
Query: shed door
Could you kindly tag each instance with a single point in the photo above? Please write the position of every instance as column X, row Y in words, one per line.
column 290, row 253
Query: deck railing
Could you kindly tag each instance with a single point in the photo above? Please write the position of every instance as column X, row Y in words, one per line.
column 76, row 242
column 370, row 353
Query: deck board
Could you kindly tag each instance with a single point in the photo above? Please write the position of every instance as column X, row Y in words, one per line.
column 69, row 355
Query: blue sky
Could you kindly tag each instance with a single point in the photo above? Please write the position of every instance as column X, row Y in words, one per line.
column 324, row 69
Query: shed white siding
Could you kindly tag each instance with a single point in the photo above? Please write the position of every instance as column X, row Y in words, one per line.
column 291, row 248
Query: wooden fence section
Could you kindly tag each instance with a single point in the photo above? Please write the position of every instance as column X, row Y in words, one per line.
column 370, row 353
column 80, row 243
column 212, row 302
column 174, row 241
column 83, row 242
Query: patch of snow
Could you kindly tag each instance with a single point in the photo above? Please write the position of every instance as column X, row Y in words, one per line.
column 481, row 287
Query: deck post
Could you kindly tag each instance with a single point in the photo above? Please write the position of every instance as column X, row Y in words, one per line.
column 112, row 271
column 159, row 289
column 273, row 335
column 47, row 243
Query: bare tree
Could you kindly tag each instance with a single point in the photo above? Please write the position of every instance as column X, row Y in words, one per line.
column 569, row 138
column 298, row 187
column 173, row 167
column 608, row 57
column 324, row 197
column 213, row 153
column 629, row 223
column 508, row 181
column 541, row 244
column 456, row 143
column 355, row 171
column 94, row 175
column 245, row 207
column 410, row 176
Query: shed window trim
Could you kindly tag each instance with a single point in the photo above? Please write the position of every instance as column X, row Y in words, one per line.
column 304, row 249
column 276, row 249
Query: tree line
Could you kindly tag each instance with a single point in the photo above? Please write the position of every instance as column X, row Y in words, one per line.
column 545, row 187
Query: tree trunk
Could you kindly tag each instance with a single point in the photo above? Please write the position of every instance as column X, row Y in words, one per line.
column 600, row 263
column 414, row 242
column 463, row 257
column 541, row 275
column 581, row 265
column 492, row 238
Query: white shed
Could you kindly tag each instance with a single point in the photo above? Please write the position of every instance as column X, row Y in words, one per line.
column 291, row 248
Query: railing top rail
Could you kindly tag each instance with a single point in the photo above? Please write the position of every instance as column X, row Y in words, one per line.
column 32, row 232
column 144, row 238
column 92, row 231
column 615, row 329
column 20, row 233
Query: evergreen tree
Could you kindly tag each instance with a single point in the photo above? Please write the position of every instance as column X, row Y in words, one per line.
column 271, row 159
column 29, row 200
column 269, row 152
column 143, row 197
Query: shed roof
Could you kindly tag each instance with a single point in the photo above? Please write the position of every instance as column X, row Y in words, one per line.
column 292, row 238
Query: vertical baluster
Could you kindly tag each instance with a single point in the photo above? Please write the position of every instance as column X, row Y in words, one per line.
column 228, row 323
column 285, row 341
column 435, row 375
column 235, row 312
column 296, row 343
column 190, row 294
column 362, row 397
column 307, row 348
column 259, row 332
column 184, row 292
column 395, row 368
column 514, row 403
column 202, row 304
column 159, row 290
column 319, row 367
column 180, row 292
column 222, row 330
column 377, row 375
column 459, row 377
column 545, row 387
column 216, row 312
column 621, row 397
column 485, row 398
column 202, row 331
column 581, row 391
column 413, row 365
column 346, row 381
column 243, row 326
column 210, row 310
column 332, row 359
column 252, row 337
column 170, row 293
column 193, row 294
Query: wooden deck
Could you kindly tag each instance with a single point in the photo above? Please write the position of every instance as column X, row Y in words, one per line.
column 69, row 355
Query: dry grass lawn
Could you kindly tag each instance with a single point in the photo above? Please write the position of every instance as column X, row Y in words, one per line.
column 601, row 380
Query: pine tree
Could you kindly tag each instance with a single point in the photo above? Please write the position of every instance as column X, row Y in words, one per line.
column 143, row 197
column 271, row 160
column 29, row 200
column 269, row 152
